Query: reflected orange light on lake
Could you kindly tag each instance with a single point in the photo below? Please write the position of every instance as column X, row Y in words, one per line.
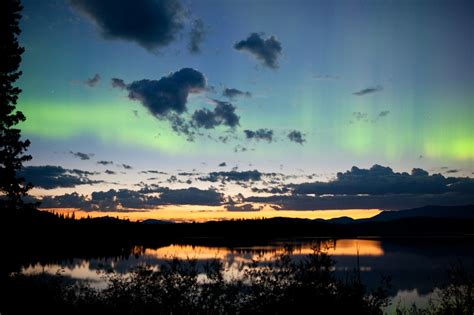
column 353, row 247
column 234, row 259
column 343, row 247
column 194, row 213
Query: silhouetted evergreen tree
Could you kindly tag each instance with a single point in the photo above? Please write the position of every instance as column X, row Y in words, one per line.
column 12, row 148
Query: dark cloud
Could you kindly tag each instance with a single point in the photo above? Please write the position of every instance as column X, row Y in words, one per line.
column 379, row 180
column 82, row 173
column 182, row 127
column 196, row 36
column 191, row 196
column 233, row 176
column 359, row 115
column 168, row 94
column 94, row 81
column 271, row 190
column 246, row 207
column 113, row 200
column 233, row 93
column 154, row 172
column 150, row 23
column 419, row 172
column 105, row 162
column 172, row 179
column 260, row 134
column 50, row 177
column 223, row 164
column 73, row 200
column 387, row 202
column 118, row 83
column 369, row 90
column 127, row 167
column 82, row 156
column 109, row 172
column 239, row 148
column 296, row 136
column 223, row 114
column 384, row 113
column 188, row 173
column 266, row 50
column 125, row 199
column 452, row 171
column 166, row 100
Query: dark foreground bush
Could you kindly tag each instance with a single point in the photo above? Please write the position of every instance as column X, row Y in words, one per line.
column 455, row 298
column 179, row 287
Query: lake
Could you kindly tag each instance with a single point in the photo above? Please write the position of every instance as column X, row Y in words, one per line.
column 416, row 266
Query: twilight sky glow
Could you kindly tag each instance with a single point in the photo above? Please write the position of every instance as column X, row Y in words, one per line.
column 217, row 109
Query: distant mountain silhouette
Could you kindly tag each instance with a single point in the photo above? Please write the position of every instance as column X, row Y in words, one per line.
column 154, row 221
column 341, row 220
column 453, row 212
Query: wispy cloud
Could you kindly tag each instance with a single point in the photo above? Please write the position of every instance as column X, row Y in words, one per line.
column 369, row 90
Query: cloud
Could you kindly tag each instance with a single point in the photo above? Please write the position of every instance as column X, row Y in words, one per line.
column 271, row 190
column 223, row 114
column 233, row 176
column 239, row 148
column 359, row 116
column 386, row 202
column 380, row 180
column 154, row 172
column 166, row 99
column 384, row 113
column 296, row 136
column 109, row 172
column 188, row 173
column 50, row 177
column 94, row 81
column 246, row 207
column 151, row 24
column 191, row 196
column 125, row 199
column 223, row 164
column 168, row 94
column 368, row 90
column 376, row 188
column 127, row 167
column 196, row 36
column 326, row 77
column 73, row 200
column 113, row 200
column 266, row 50
column 260, row 134
column 105, row 162
column 233, row 93
column 82, row 156
column 181, row 126
column 118, row 83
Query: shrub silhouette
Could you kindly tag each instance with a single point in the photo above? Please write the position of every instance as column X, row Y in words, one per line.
column 178, row 286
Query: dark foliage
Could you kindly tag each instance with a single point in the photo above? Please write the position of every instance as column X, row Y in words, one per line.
column 12, row 148
column 455, row 298
column 179, row 287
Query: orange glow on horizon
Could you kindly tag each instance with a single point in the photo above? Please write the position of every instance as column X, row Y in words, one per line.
column 188, row 213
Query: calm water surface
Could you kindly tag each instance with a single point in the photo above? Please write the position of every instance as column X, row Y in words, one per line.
column 416, row 267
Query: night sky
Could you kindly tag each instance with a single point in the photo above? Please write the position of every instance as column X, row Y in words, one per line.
column 211, row 109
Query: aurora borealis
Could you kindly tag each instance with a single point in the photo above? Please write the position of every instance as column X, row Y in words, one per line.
column 359, row 83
